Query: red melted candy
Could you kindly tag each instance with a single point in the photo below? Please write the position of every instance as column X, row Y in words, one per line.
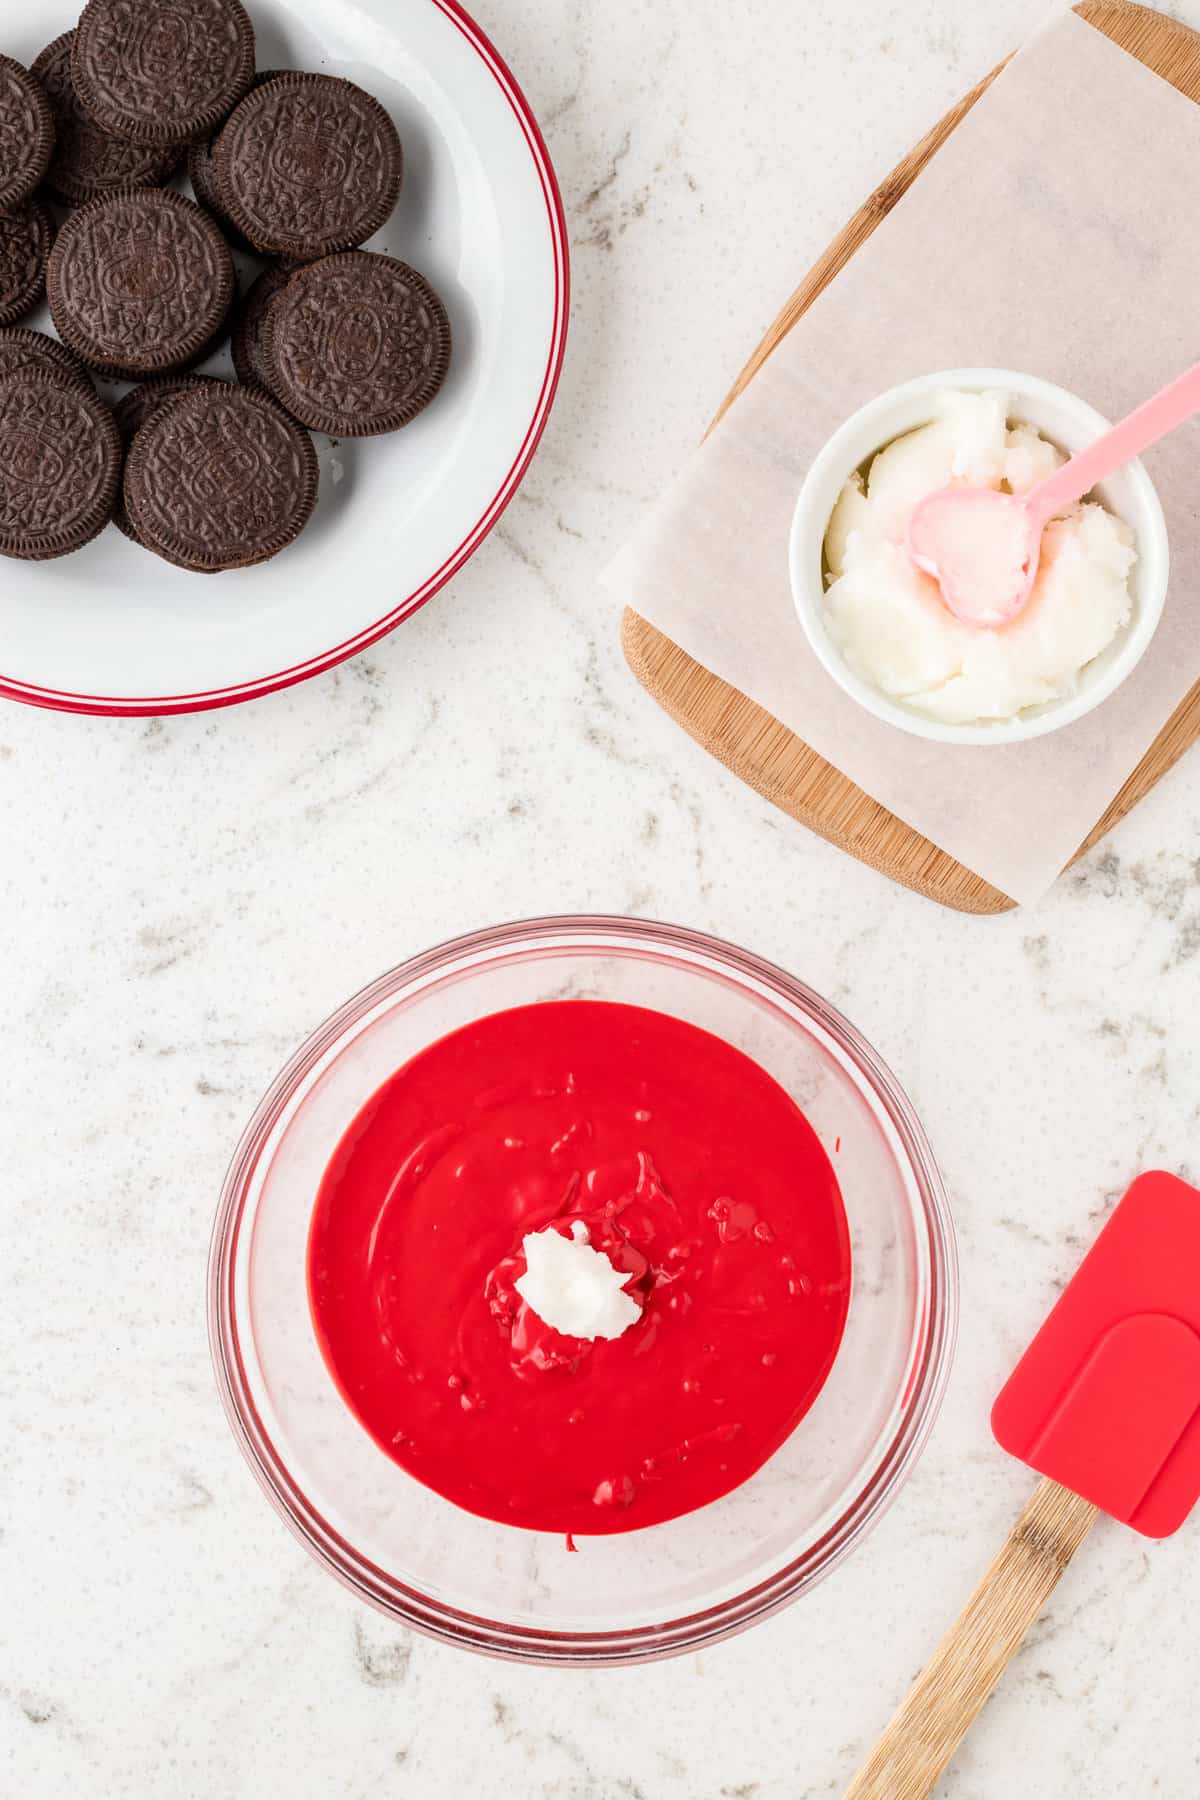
column 695, row 1173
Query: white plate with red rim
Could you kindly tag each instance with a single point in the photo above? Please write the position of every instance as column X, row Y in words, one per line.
column 115, row 630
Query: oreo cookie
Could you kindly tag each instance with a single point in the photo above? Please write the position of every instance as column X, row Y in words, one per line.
column 60, row 462
column 306, row 165
column 356, row 344
column 249, row 357
column 26, row 134
column 26, row 234
column 140, row 404
column 200, row 174
column 139, row 283
column 220, row 478
column 88, row 160
column 159, row 72
column 22, row 349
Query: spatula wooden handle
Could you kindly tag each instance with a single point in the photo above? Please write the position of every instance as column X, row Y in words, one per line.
column 976, row 1650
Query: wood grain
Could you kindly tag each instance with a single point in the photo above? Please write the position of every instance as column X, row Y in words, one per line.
column 950, row 1690
column 751, row 741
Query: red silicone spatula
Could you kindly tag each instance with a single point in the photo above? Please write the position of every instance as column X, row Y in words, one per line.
column 1105, row 1406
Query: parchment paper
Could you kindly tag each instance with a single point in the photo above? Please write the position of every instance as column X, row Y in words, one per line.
column 1056, row 232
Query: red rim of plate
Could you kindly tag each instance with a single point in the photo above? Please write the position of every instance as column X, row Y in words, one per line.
column 153, row 705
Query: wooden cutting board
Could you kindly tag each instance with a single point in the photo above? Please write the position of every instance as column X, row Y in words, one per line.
column 751, row 741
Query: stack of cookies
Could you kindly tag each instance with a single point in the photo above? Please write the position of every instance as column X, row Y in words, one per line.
column 296, row 168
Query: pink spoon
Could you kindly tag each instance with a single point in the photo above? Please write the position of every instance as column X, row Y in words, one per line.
column 982, row 547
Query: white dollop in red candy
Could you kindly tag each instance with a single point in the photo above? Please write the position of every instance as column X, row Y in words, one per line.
column 573, row 1288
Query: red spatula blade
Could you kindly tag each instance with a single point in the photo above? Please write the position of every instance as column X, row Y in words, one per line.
column 1106, row 1400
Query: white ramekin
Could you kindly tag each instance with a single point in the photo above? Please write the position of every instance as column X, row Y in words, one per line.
column 1068, row 422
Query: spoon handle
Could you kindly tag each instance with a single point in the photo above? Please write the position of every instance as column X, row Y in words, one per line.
column 1163, row 412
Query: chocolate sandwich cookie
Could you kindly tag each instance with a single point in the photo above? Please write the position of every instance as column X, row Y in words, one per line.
column 88, row 160
column 248, row 352
column 306, row 165
column 200, row 174
column 25, row 238
column 131, row 413
column 26, row 134
column 22, row 349
column 160, row 72
column 60, row 462
column 356, row 344
column 140, row 282
column 220, row 478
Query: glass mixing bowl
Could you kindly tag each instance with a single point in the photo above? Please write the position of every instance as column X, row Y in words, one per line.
column 642, row 1594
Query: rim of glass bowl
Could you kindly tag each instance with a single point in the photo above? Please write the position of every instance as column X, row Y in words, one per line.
column 927, row 1377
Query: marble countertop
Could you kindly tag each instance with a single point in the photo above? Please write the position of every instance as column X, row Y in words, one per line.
column 182, row 900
